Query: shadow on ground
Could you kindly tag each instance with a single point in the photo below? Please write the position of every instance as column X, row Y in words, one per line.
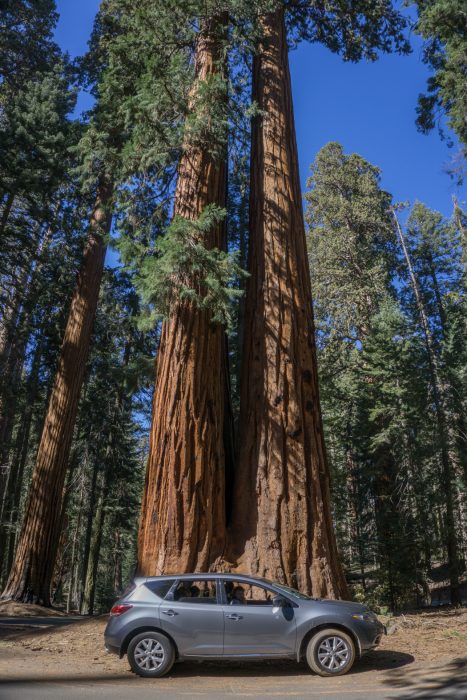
column 228, row 670
column 448, row 681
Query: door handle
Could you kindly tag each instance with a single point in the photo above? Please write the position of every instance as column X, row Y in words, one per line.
column 171, row 613
column 234, row 617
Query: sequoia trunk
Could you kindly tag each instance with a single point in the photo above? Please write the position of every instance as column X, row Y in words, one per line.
column 281, row 526
column 183, row 515
column 32, row 569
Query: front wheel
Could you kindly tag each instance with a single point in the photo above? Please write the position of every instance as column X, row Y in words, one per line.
column 330, row 652
column 151, row 654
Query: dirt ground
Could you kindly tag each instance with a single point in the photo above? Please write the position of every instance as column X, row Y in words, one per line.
column 9, row 608
column 421, row 648
column 427, row 635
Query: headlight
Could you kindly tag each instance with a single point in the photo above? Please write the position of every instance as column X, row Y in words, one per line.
column 367, row 616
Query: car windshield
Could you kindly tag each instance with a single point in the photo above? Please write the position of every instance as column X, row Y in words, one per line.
column 289, row 591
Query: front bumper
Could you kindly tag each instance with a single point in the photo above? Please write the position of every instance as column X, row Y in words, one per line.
column 369, row 634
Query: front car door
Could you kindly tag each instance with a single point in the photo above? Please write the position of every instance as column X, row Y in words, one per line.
column 253, row 625
column 192, row 615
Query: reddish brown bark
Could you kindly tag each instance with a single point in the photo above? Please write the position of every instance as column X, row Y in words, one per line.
column 281, row 526
column 182, row 518
column 32, row 569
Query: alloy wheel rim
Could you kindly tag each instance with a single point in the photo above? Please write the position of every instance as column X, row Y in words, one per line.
column 333, row 653
column 149, row 654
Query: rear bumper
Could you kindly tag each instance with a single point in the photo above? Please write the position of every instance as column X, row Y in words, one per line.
column 110, row 649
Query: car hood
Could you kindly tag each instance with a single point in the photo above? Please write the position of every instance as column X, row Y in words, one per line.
column 345, row 606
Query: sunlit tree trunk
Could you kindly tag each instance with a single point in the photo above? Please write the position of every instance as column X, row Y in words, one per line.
column 282, row 526
column 34, row 562
column 183, row 511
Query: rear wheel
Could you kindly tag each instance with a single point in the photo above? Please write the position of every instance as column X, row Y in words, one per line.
column 330, row 652
column 151, row 654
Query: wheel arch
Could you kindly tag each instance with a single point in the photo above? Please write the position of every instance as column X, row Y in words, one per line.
column 145, row 628
column 328, row 625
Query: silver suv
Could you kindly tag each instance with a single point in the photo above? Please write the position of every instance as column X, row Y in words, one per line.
column 220, row 616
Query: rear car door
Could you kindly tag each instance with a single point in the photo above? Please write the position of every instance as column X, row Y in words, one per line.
column 253, row 625
column 194, row 618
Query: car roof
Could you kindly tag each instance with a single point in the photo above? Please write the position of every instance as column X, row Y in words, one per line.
column 197, row 576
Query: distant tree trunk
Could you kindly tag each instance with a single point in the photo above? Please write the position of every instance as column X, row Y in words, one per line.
column 74, row 552
column 90, row 517
column 11, row 343
column 118, row 574
column 7, row 206
column 282, row 524
column 183, row 512
column 14, row 336
column 9, row 511
column 87, row 605
column 443, row 430
column 33, row 567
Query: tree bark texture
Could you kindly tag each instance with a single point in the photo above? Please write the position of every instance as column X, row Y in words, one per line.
column 282, row 526
column 183, row 512
column 32, row 570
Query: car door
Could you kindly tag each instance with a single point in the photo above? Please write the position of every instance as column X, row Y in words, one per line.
column 255, row 626
column 194, row 618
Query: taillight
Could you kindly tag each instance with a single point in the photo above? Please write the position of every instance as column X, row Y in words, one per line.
column 120, row 609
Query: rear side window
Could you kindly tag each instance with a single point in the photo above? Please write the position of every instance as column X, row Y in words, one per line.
column 160, row 588
column 198, row 592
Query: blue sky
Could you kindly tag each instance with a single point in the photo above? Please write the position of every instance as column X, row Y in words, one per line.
column 368, row 107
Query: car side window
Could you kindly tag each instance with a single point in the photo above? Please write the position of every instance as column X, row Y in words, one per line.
column 198, row 592
column 242, row 593
column 160, row 588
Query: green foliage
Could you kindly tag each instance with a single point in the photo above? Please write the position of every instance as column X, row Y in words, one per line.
column 35, row 134
column 182, row 269
column 350, row 241
column 442, row 24
column 355, row 30
column 375, row 378
column 26, row 44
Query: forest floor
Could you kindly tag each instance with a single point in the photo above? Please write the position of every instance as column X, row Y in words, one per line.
column 423, row 656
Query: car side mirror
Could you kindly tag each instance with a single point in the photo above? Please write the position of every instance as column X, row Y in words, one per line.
column 279, row 602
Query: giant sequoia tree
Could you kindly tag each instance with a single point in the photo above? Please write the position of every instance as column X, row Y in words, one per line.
column 182, row 520
column 282, row 526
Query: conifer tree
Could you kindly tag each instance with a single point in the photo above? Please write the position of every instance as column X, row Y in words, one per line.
column 440, row 406
column 376, row 381
column 103, row 162
column 441, row 23
column 282, row 524
column 183, row 516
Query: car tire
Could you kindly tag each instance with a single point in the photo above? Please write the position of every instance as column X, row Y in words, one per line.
column 151, row 654
column 331, row 652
